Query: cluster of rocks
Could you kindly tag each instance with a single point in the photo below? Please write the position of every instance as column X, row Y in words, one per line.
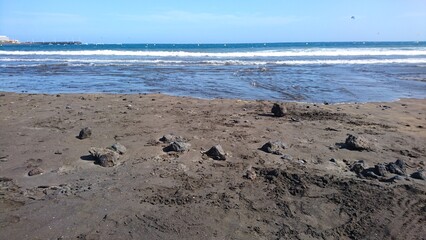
column 179, row 144
column 105, row 157
column 382, row 171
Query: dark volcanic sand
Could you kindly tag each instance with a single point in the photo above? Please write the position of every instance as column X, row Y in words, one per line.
column 151, row 194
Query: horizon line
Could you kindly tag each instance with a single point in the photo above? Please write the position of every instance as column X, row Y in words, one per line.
column 224, row 43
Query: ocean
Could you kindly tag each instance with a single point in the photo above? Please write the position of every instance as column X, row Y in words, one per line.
column 303, row 72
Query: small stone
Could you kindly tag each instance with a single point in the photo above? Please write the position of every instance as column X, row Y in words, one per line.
column 35, row 171
column 250, row 174
column 401, row 164
column 85, row 133
column 369, row 173
column 380, row 169
column 357, row 143
column 274, row 147
column 271, row 174
column 394, row 179
column 104, row 157
column 119, row 148
column 419, row 175
column 395, row 169
column 216, row 152
column 169, row 138
column 358, row 167
column 287, row 157
column 177, row 147
column 278, row 110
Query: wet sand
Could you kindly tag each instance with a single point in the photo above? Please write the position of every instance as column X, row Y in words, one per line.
column 309, row 190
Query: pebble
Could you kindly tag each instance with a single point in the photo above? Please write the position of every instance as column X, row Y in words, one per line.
column 169, row 138
column 274, row 147
column 119, row 148
column 250, row 173
column 380, row 169
column 395, row 169
column 279, row 110
column 357, row 143
column 394, row 179
column 85, row 133
column 35, row 171
column 358, row 167
column 216, row 152
column 104, row 157
column 419, row 175
column 177, row 147
column 287, row 157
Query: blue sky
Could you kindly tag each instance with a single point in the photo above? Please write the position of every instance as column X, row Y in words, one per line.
column 218, row 21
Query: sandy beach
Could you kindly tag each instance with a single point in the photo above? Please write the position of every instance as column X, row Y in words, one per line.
column 331, row 171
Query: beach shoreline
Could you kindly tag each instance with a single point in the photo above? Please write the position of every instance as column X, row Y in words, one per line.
column 310, row 187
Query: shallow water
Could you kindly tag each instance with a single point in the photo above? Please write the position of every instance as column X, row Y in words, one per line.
column 312, row 72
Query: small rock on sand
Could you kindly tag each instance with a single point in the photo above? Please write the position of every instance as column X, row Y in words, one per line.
column 216, row 152
column 35, row 171
column 177, row 147
column 169, row 138
column 394, row 179
column 358, row 167
column 278, row 110
column 419, row 175
column 119, row 148
column 85, row 133
column 397, row 167
column 104, row 157
column 401, row 164
column 380, row 170
column 357, row 143
column 274, row 147
column 250, row 174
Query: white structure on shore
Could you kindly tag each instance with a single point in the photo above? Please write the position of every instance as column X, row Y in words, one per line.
column 5, row 39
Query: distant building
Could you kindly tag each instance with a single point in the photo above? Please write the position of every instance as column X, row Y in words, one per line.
column 5, row 39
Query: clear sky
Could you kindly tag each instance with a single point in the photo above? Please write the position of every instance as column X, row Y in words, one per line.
column 215, row 21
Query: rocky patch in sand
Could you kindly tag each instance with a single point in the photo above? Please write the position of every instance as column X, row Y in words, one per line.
column 396, row 170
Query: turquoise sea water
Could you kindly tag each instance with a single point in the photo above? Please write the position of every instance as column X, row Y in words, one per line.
column 312, row 72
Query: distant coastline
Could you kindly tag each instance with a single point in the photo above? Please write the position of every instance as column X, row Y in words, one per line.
column 5, row 40
column 41, row 43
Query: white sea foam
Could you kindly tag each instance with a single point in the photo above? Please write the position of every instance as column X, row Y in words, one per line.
column 130, row 62
column 275, row 53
